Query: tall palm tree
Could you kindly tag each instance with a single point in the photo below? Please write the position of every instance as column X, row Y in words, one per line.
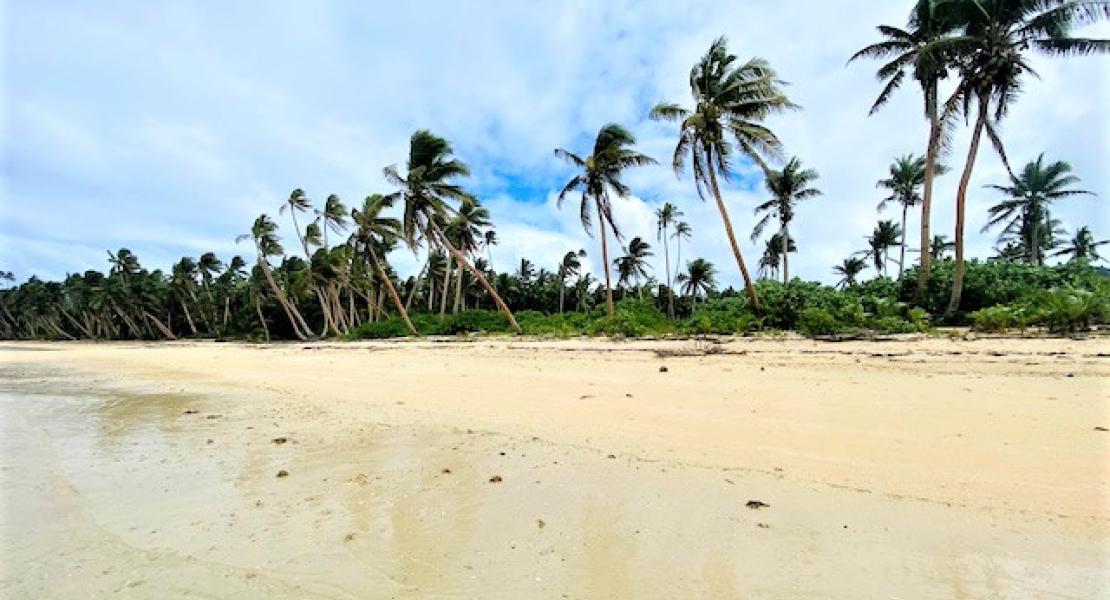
column 882, row 239
column 426, row 190
column 333, row 217
column 907, row 176
column 599, row 174
column 993, row 58
column 264, row 234
column 633, row 266
column 909, row 51
column 465, row 228
column 848, row 270
column 1082, row 247
column 570, row 266
column 1018, row 237
column 682, row 231
column 375, row 231
column 788, row 187
column 731, row 101
column 940, row 247
column 1028, row 198
column 771, row 260
column 700, row 277
column 665, row 218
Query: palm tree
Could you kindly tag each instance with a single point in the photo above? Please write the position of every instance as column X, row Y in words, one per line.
column 633, row 266
column 730, row 101
column 375, row 231
column 426, row 191
column 992, row 56
column 682, row 231
column 907, row 175
column 599, row 174
column 788, row 187
column 771, row 259
column 333, row 217
column 264, row 234
column 1018, row 237
column 465, row 228
column 910, row 51
column 525, row 270
column 1082, row 247
column 1029, row 196
column 665, row 218
column 700, row 277
column 882, row 239
column 571, row 265
column 940, row 246
column 849, row 270
column 489, row 240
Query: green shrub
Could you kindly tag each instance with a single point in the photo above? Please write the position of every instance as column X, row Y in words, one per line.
column 994, row 319
column 632, row 318
column 818, row 321
column 1072, row 310
column 474, row 321
column 724, row 316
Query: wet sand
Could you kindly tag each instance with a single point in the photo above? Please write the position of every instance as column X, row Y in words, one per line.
column 574, row 469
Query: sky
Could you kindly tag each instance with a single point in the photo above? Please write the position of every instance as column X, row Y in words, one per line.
column 167, row 127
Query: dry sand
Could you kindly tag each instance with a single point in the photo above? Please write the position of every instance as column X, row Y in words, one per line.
column 577, row 469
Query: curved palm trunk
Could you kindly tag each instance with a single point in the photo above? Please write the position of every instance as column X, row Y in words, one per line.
column 261, row 318
column 477, row 275
column 295, row 318
column 925, row 271
column 902, row 250
column 961, row 204
column 188, row 317
column 392, row 290
column 667, row 262
column 160, row 325
column 748, row 287
column 605, row 261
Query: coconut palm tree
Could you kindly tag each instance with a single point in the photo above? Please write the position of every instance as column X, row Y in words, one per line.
column 333, row 217
column 665, row 218
column 848, row 270
column 771, row 260
column 907, row 176
column 570, row 266
column 700, row 277
column 731, row 101
column 909, row 51
column 264, row 234
column 633, row 266
column 427, row 191
column 682, row 231
column 374, row 231
column 1028, row 198
column 599, row 175
column 992, row 54
column 465, row 228
column 489, row 240
column 1082, row 247
column 885, row 236
column 788, row 187
column 940, row 247
column 1017, row 239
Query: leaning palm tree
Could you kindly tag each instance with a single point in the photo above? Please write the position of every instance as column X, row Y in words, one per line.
column 374, row 231
column 665, row 218
column 264, row 234
column 788, row 187
column 633, row 266
column 1082, row 247
column 909, row 51
column 571, row 265
column 993, row 58
column 849, row 270
column 599, row 174
column 731, row 101
column 1028, row 198
column 333, row 217
column 466, row 229
column 427, row 191
column 700, row 277
column 907, row 176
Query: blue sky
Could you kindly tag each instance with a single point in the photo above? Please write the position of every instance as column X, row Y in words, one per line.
column 167, row 127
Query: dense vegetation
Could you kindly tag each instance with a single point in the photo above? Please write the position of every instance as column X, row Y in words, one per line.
column 339, row 281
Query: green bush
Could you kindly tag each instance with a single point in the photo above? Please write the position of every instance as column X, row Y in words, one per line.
column 818, row 321
column 1072, row 310
column 723, row 316
column 474, row 321
column 632, row 318
column 994, row 319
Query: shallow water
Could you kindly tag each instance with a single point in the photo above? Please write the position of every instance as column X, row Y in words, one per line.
column 176, row 495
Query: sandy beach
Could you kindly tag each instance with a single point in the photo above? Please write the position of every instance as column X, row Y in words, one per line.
column 506, row 468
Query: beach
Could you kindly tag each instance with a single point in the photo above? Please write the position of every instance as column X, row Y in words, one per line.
column 926, row 467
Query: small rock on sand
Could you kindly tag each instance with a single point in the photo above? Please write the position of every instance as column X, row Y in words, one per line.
column 663, row 369
column 282, row 473
column 495, row 479
column 756, row 504
column 280, row 440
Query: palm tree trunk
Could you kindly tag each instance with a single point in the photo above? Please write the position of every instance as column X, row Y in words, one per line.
column 295, row 318
column 605, row 261
column 931, row 153
column 392, row 290
column 188, row 317
column 785, row 235
column 261, row 318
column 562, row 286
column 748, row 287
column 160, row 325
column 477, row 275
column 458, row 293
column 961, row 205
column 667, row 262
column 443, row 290
column 902, row 251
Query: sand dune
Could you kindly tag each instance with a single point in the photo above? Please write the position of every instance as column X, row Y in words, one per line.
column 933, row 468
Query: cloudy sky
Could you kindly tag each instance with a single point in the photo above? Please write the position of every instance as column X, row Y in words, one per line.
column 166, row 127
